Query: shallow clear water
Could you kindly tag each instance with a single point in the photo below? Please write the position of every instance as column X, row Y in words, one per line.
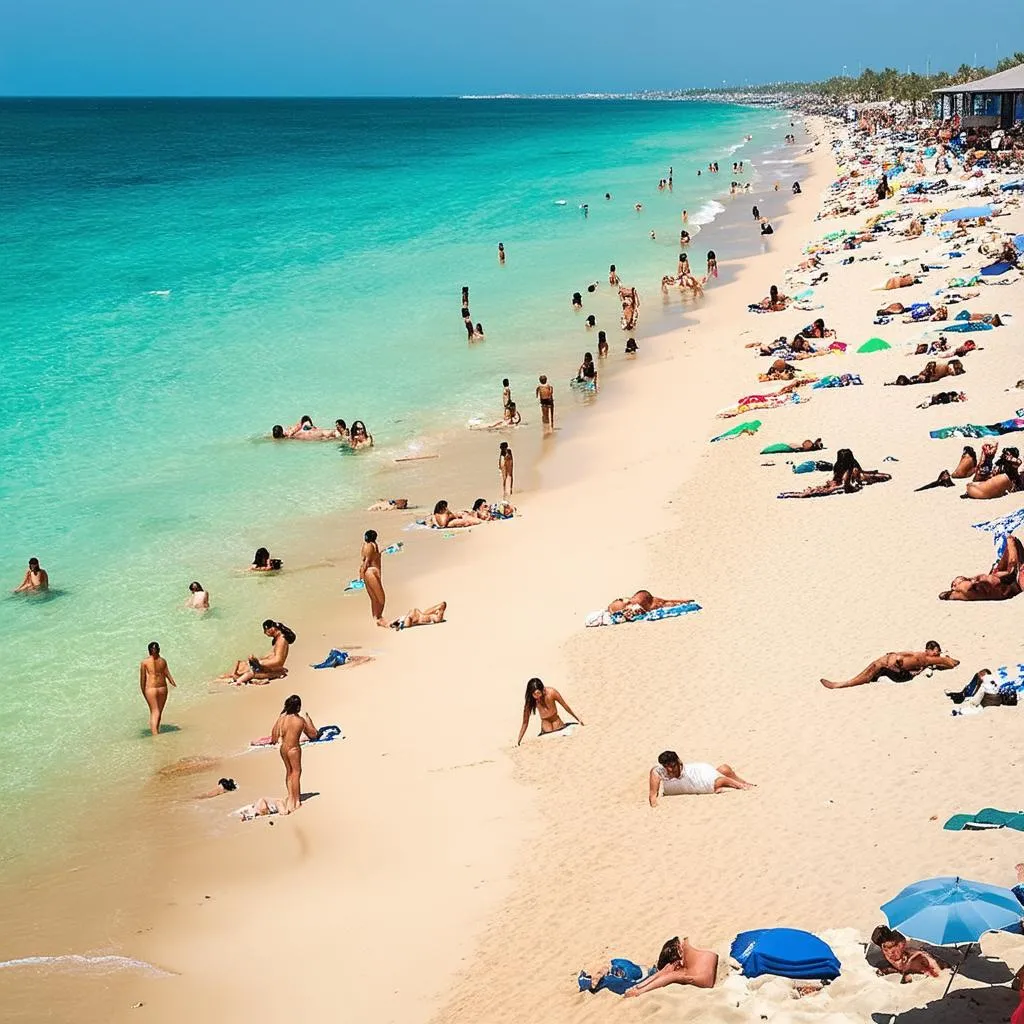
column 181, row 275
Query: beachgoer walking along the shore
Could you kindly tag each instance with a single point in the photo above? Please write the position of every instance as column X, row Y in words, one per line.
column 369, row 573
column 544, row 700
column 291, row 725
column 154, row 678
column 506, row 467
column 36, row 579
column 899, row 666
column 546, row 395
column 672, row 777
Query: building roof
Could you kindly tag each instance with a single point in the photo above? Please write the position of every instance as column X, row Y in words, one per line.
column 1011, row 80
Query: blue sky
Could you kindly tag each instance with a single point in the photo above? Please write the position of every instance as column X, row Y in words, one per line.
column 444, row 47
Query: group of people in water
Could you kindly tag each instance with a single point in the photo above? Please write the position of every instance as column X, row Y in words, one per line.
column 355, row 436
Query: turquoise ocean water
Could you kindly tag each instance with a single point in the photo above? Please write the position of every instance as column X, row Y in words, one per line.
column 181, row 275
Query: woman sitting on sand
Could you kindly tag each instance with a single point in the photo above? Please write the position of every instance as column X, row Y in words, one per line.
column 678, row 964
column 358, row 437
column 263, row 670
column 774, row 301
column 673, row 778
column 817, row 330
column 847, row 475
column 1002, row 582
column 443, row 518
column 644, row 601
column 1004, row 478
column 262, row 562
column 904, row 958
column 544, row 700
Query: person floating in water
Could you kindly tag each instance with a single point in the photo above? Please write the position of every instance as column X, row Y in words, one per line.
column 198, row 597
column 154, row 677
column 36, row 579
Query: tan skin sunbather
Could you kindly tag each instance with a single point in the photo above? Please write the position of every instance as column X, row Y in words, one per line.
column 154, row 678
column 445, row 519
column 1001, row 583
column 291, row 725
column 645, row 601
column 903, row 958
column 680, row 964
column 428, row 617
column 544, row 700
column 1004, row 479
column 263, row 670
column 967, row 465
column 900, row 666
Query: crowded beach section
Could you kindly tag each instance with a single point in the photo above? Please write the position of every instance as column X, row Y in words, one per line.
column 432, row 793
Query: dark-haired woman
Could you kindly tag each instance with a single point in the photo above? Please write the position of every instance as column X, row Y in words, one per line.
column 680, row 964
column 358, row 436
column 847, row 475
column 1004, row 479
column 154, row 677
column 263, row 670
column 544, row 700
column 262, row 562
column 443, row 518
column 291, row 725
column 198, row 597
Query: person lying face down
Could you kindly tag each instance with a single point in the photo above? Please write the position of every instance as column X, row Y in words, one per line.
column 1002, row 582
column 679, row 963
column 899, row 666
column 644, row 601
column 673, row 778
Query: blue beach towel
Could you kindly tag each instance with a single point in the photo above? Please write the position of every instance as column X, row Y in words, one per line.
column 965, row 328
column 334, row 659
column 997, row 268
column 623, row 974
column 1002, row 528
column 606, row 618
column 785, row 952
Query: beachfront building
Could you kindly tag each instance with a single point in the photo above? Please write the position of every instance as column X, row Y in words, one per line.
column 993, row 102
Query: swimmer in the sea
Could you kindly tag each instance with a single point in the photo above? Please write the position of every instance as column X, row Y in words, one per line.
column 198, row 597
column 36, row 579
column 613, row 275
column 591, row 322
column 154, row 678
column 501, row 254
column 388, row 504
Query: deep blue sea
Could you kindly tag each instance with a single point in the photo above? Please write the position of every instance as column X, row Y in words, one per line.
column 178, row 276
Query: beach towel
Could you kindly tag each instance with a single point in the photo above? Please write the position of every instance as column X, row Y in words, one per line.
column 1002, row 528
column 997, row 268
column 784, row 952
column 324, row 734
column 986, row 818
column 752, row 403
column 786, row 449
column 965, row 328
column 750, row 427
column 874, row 345
column 842, row 381
column 1009, row 426
column 607, row 618
column 622, row 975
column 334, row 659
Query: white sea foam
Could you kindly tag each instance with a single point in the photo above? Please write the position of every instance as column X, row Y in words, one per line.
column 106, row 963
column 708, row 212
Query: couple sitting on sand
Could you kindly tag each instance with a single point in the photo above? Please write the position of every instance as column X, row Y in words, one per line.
column 679, row 963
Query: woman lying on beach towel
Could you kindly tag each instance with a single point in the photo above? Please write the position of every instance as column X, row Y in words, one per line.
column 670, row 777
column 644, row 601
column 899, row 666
column 847, row 475
column 803, row 446
column 1001, row 583
column 679, row 964
column 933, row 371
column 1003, row 478
column 428, row 617
column 942, row 398
column 543, row 701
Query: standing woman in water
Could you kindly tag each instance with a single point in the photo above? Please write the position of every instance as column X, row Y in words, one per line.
column 154, row 675
column 291, row 725
column 544, row 700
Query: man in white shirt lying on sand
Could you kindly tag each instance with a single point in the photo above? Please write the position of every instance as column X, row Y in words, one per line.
column 671, row 777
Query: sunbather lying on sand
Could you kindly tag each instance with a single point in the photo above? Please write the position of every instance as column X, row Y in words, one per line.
column 444, row 519
column 428, row 617
column 678, row 964
column 644, row 601
column 934, row 370
column 942, row 480
column 847, row 475
column 942, row 398
column 903, row 957
column 262, row 808
column 899, row 666
column 901, row 281
column 1004, row 477
column 1000, row 583
column 388, row 504
column 774, row 301
column 673, row 778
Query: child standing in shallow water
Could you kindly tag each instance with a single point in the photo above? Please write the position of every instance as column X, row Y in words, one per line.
column 505, row 466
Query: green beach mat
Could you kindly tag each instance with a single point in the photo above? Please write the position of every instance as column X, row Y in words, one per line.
column 990, row 817
column 750, row 427
column 874, row 345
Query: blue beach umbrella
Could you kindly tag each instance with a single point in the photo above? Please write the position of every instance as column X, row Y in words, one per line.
column 948, row 911
column 967, row 213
